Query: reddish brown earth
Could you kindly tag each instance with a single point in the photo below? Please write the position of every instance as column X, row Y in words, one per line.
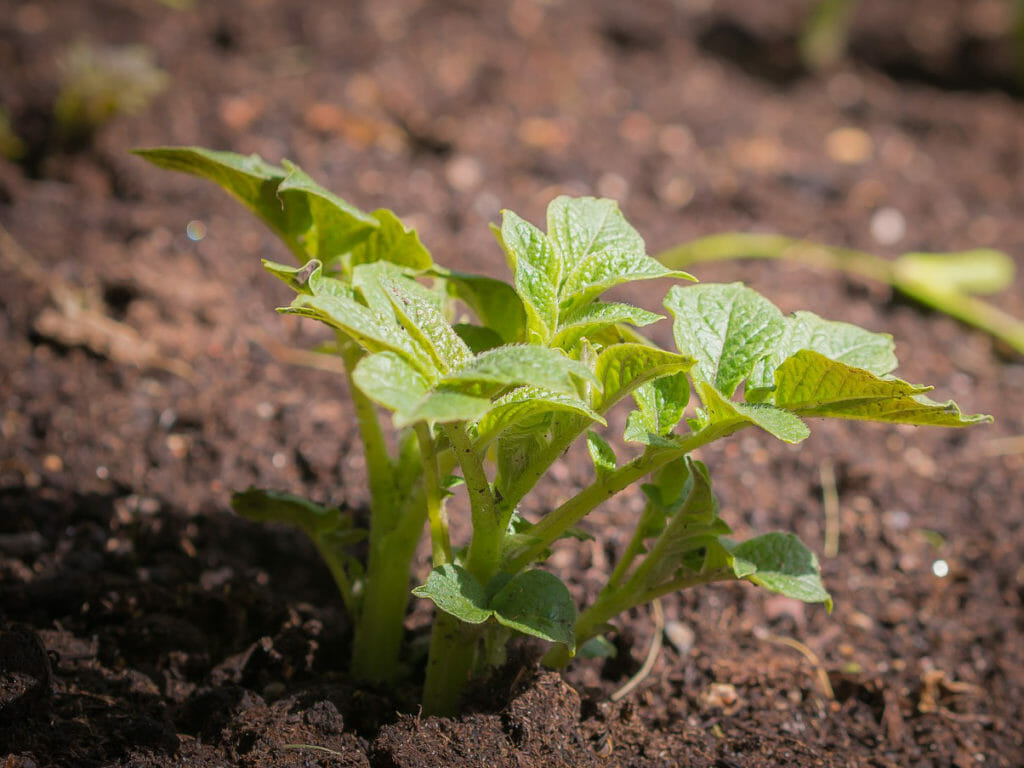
column 144, row 376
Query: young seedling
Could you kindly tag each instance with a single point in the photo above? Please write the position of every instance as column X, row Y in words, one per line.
column 499, row 399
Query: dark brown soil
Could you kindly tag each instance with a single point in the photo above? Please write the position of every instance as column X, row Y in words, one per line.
column 143, row 376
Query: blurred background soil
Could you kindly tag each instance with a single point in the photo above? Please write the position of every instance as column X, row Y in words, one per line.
column 144, row 375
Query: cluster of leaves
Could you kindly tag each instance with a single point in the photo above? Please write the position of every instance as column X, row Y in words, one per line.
column 497, row 379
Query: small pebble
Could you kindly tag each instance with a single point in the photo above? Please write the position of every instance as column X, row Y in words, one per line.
column 849, row 146
column 888, row 226
column 681, row 636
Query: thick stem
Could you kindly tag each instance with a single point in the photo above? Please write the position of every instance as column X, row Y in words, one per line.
column 377, row 645
column 453, row 646
column 395, row 529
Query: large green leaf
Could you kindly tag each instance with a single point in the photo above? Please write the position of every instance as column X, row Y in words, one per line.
column 424, row 321
column 781, row 563
column 251, row 179
column 536, row 272
column 726, row 414
column 537, row 603
column 810, row 384
column 454, row 590
column 595, row 317
column 312, row 222
column 389, row 380
column 726, row 327
column 336, row 225
column 597, row 248
column 372, row 331
column 844, row 342
column 622, row 368
column 516, row 364
column 393, row 242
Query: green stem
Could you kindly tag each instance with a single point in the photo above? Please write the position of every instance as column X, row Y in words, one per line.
column 557, row 522
column 441, row 547
column 613, row 603
column 379, row 467
column 453, row 646
column 336, row 566
column 484, row 553
column 395, row 529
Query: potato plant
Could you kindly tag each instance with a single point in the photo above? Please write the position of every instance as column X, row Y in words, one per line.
column 487, row 383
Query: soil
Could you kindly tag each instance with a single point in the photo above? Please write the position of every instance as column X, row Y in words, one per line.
column 143, row 376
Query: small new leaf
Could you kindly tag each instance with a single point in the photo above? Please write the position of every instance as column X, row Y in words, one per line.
column 601, row 454
column 454, row 590
column 536, row 271
column 780, row 563
column 660, row 406
column 622, row 368
column 595, row 317
column 598, row 249
column 729, row 416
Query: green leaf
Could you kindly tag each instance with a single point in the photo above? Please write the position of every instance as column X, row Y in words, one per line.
column 775, row 421
column 536, row 272
column 336, row 226
column 597, row 249
column 279, row 507
column 424, row 321
column 393, row 242
column 516, row 364
column 601, row 454
column 781, row 563
column 726, row 327
column 445, row 406
column 693, row 523
column 477, row 337
column 454, row 590
column 537, row 603
column 595, row 317
column 250, row 179
column 660, row 406
column 528, row 409
column 844, row 342
column 494, row 302
column 810, row 384
column 624, row 367
column 389, row 380
column 373, row 332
